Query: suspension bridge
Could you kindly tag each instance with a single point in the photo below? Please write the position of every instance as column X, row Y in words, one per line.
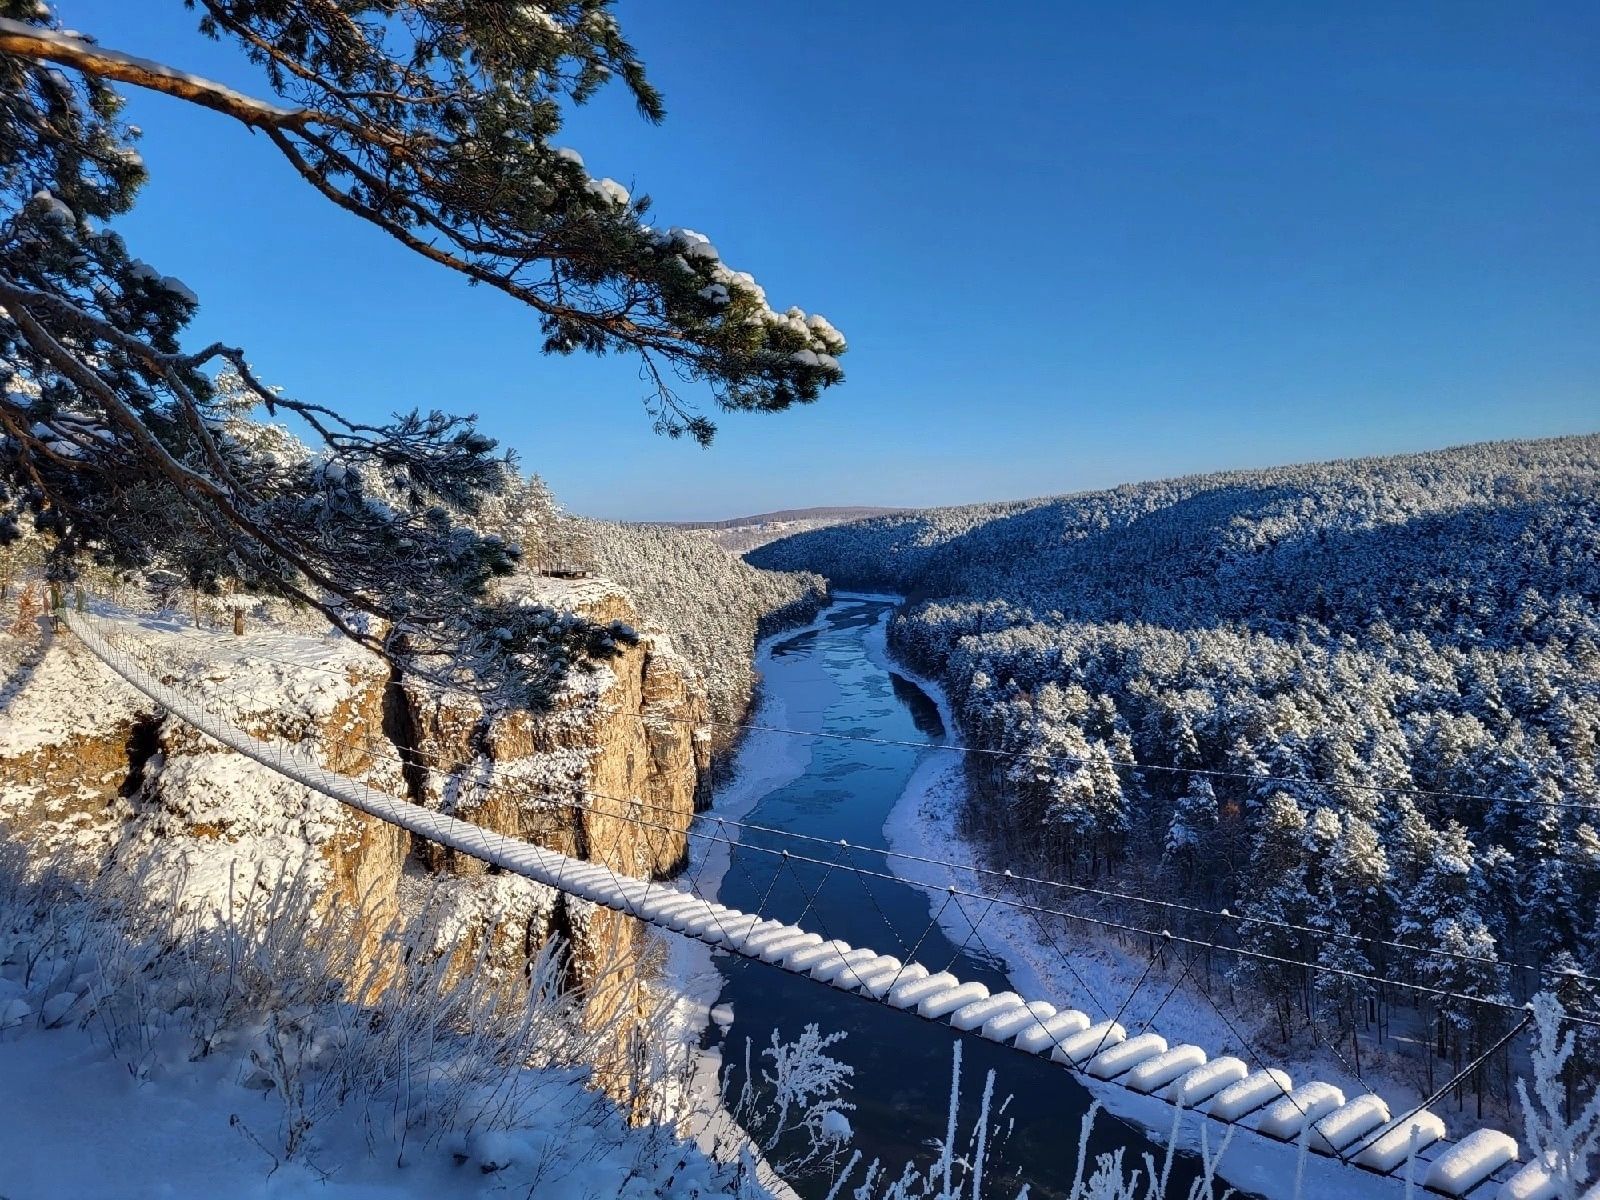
column 1410, row 1149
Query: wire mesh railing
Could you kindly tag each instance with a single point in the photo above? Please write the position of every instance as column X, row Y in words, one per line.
column 1359, row 1132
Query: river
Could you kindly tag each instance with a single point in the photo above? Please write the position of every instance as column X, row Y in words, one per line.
column 829, row 682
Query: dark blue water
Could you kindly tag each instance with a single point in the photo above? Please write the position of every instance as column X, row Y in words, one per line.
column 902, row 1064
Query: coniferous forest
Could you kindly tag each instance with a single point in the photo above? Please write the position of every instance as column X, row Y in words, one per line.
column 1357, row 699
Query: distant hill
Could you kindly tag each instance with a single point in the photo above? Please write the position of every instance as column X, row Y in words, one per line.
column 831, row 516
column 739, row 535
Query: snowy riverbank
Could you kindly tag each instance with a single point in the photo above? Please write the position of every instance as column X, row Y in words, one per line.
column 1071, row 968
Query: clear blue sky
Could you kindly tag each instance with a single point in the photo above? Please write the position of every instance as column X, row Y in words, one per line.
column 1071, row 244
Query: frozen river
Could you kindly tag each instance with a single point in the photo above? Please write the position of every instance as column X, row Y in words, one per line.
column 828, row 681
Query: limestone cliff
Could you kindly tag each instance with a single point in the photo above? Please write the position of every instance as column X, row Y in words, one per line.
column 88, row 768
column 610, row 772
column 70, row 736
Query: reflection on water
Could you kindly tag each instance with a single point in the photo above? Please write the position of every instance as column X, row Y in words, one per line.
column 902, row 1080
column 924, row 712
column 797, row 644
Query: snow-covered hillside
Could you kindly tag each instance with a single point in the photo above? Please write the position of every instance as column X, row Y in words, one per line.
column 1360, row 699
column 740, row 535
column 714, row 605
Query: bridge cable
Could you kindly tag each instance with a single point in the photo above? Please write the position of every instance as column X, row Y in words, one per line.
column 1581, row 1018
column 1102, row 892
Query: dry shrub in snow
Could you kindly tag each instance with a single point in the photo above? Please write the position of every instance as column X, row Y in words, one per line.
column 408, row 1047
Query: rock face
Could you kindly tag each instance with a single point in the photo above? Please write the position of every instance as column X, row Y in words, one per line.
column 610, row 773
column 67, row 736
column 88, row 768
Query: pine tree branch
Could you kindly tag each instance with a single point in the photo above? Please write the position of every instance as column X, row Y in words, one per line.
column 178, row 475
column 413, row 142
column 32, row 41
column 660, row 339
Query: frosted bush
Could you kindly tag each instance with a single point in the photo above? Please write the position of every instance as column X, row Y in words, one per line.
column 795, row 1111
column 1563, row 1136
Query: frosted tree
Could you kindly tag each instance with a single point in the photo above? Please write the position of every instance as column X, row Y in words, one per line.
column 1438, row 904
column 1562, row 1134
column 1551, row 896
column 1194, row 820
column 434, row 122
column 1356, row 868
column 1073, row 785
column 1280, row 892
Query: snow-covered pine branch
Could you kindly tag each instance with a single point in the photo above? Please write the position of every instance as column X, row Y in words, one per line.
column 437, row 123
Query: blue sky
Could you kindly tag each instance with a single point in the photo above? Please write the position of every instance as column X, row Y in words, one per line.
column 1071, row 244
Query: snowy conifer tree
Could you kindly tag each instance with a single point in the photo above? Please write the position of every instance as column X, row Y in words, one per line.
column 1194, row 819
column 436, row 122
column 1281, row 892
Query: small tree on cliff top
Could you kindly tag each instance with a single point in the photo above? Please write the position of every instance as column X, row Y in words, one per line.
column 434, row 120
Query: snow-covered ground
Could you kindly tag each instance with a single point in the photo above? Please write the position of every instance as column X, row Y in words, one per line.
column 74, row 1125
column 1068, row 964
column 146, row 1055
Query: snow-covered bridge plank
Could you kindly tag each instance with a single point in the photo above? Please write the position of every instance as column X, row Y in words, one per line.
column 843, row 966
column 981, row 1012
column 1400, row 1140
column 810, row 956
column 1081, row 1047
column 1047, row 1032
column 1161, row 1070
column 1202, row 1083
column 1470, row 1161
column 942, row 1004
column 1123, row 1057
column 1250, row 1093
column 1288, row 1117
column 1536, row 1181
column 912, row 991
column 1341, row 1128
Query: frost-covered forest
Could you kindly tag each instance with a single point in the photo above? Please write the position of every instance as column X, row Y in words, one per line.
column 714, row 605
column 1363, row 697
